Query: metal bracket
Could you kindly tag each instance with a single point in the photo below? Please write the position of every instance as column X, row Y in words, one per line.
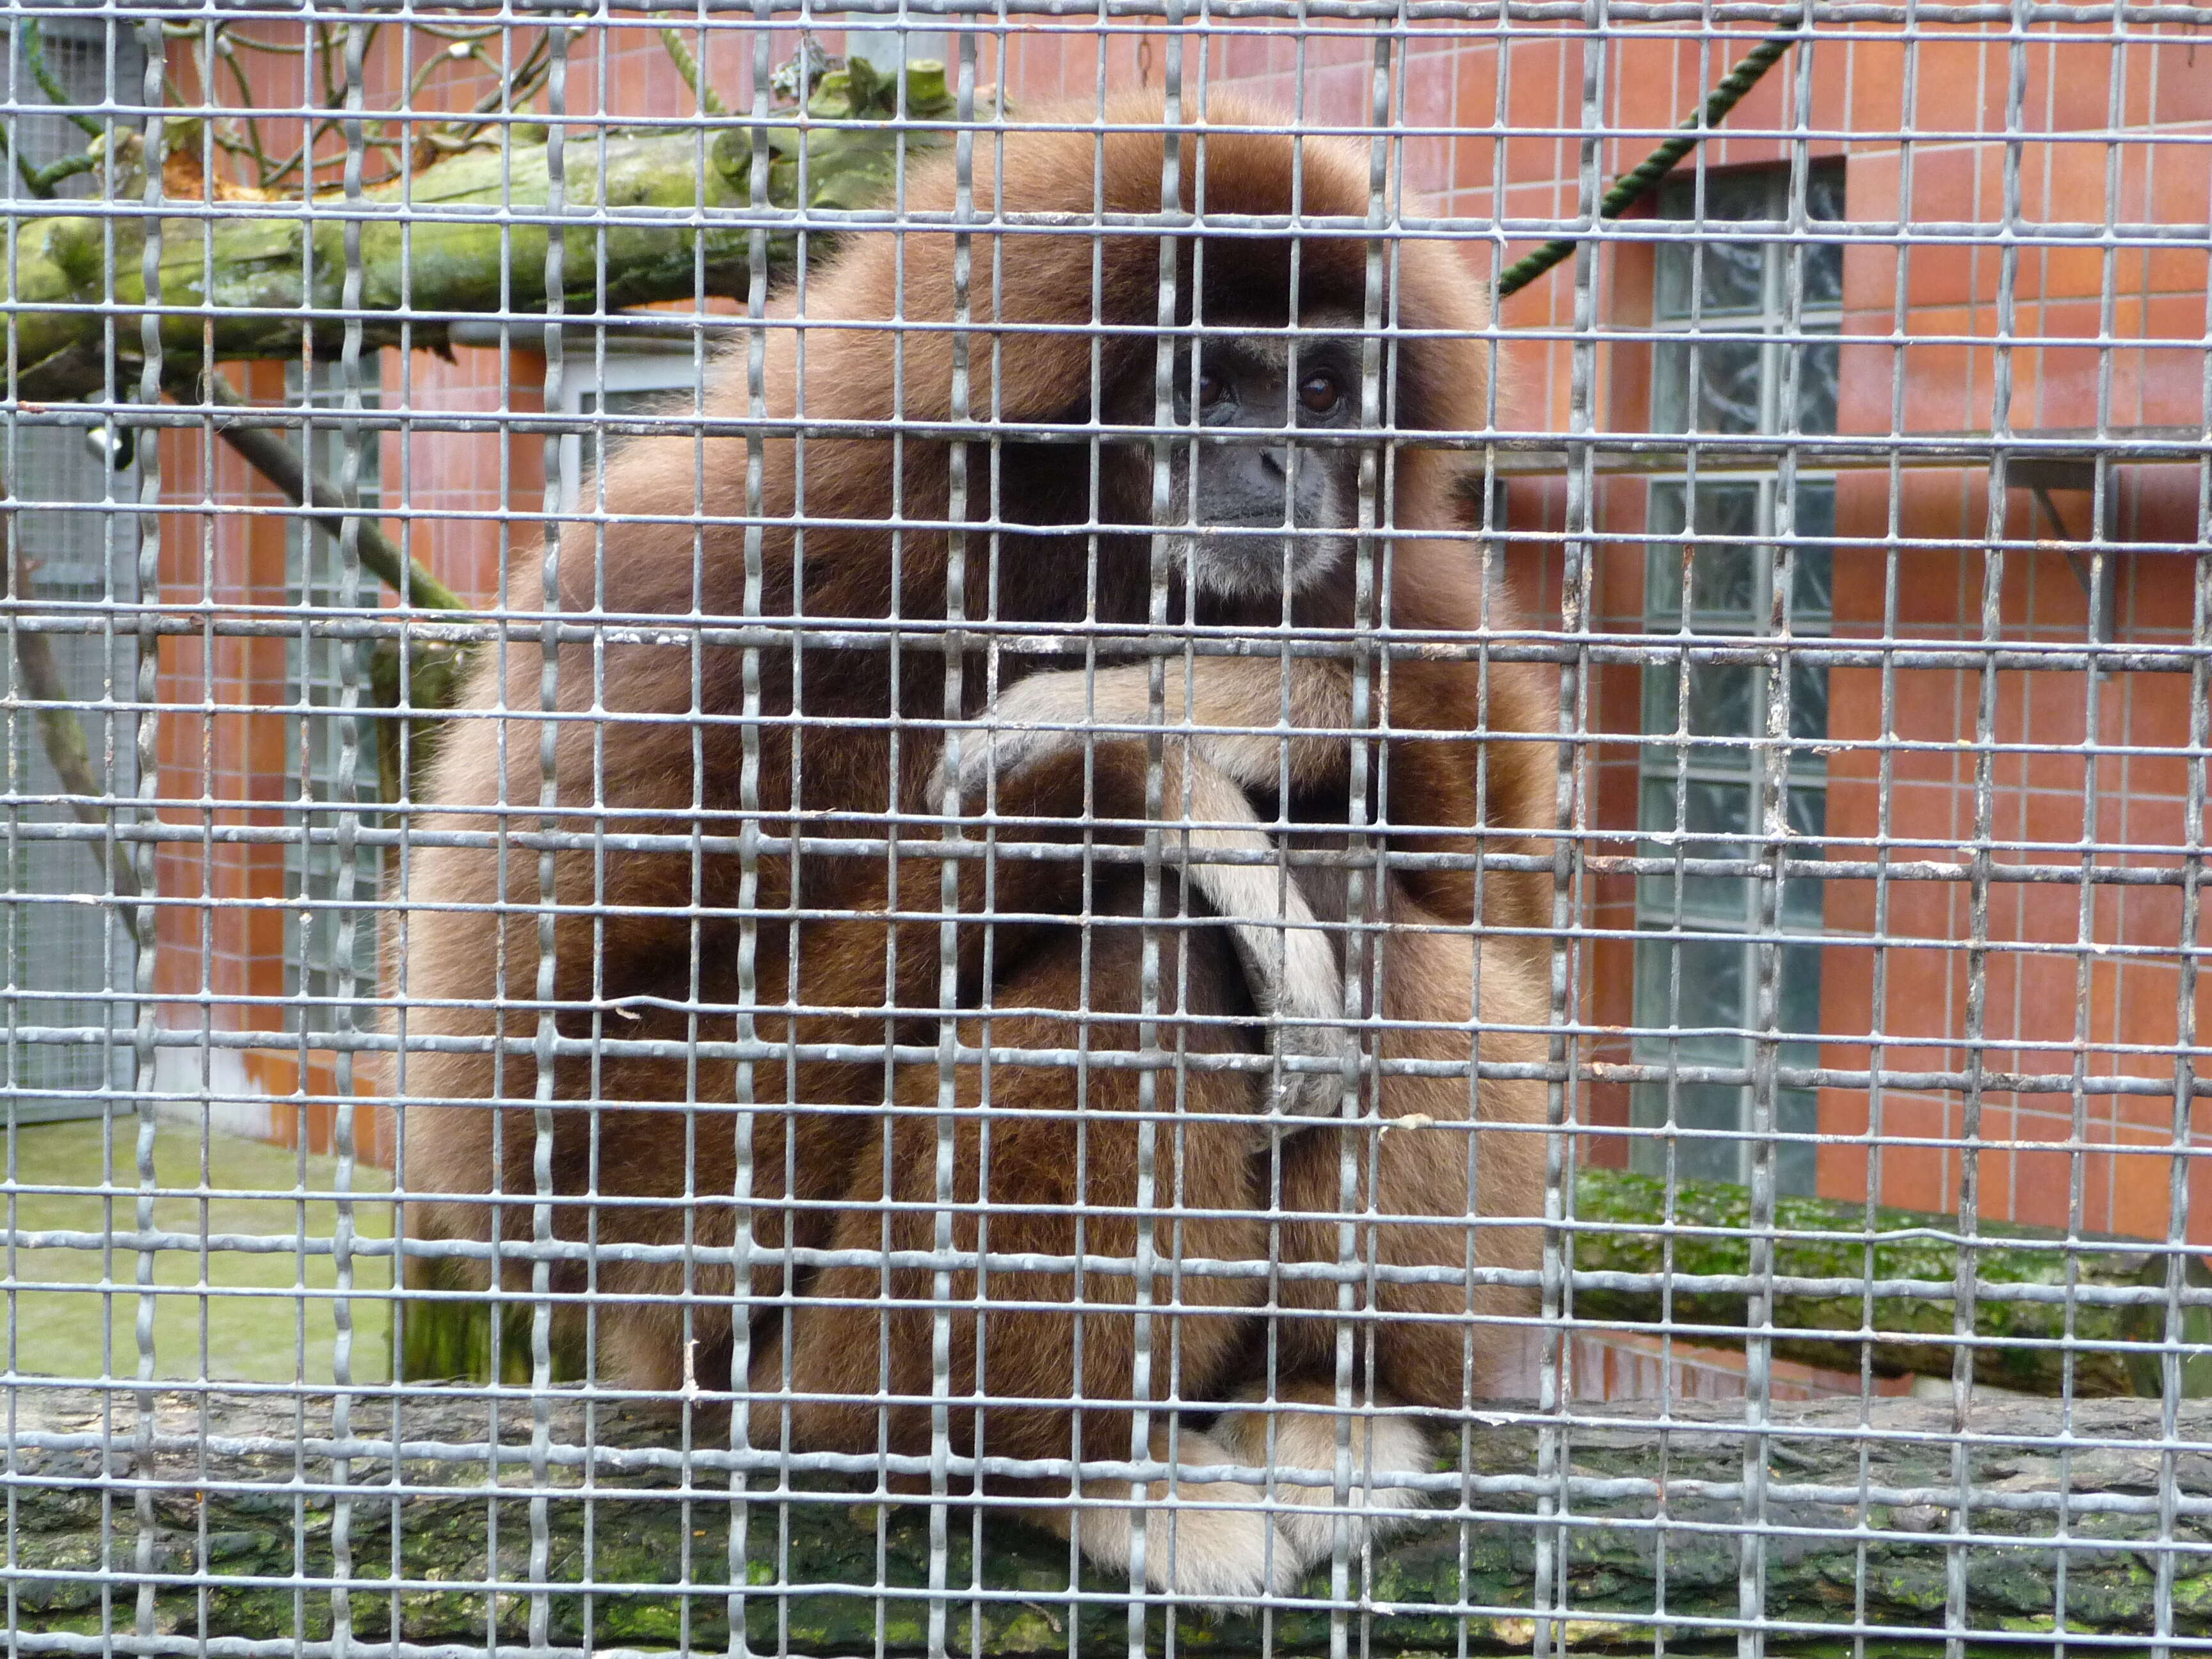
column 2097, row 576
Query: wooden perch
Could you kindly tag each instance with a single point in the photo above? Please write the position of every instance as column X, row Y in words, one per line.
column 248, row 1497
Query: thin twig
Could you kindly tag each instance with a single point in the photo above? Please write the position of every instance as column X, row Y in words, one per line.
column 30, row 174
column 64, row 102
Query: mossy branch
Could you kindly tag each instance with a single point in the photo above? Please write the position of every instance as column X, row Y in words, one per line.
column 1687, row 1263
column 465, row 237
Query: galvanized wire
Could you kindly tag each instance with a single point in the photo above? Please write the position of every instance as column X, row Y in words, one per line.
column 1717, row 1174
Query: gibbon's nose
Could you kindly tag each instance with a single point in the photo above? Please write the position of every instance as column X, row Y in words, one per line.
column 1275, row 462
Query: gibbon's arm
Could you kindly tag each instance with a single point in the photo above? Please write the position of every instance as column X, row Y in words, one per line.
column 1289, row 962
column 1048, row 715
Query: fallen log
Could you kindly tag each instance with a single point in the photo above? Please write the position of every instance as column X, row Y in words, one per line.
column 2089, row 1312
column 266, row 1528
column 2051, row 1315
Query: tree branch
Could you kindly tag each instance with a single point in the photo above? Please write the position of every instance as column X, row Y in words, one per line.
column 455, row 239
column 275, row 461
column 61, row 733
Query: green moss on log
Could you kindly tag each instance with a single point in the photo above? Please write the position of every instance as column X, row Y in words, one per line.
column 1622, row 1229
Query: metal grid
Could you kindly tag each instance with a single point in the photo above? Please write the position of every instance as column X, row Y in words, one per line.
column 934, row 1170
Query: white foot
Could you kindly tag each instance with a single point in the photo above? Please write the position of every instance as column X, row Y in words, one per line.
column 1308, row 1516
column 1193, row 1546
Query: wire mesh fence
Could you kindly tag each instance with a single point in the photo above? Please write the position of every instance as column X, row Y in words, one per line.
column 1012, row 829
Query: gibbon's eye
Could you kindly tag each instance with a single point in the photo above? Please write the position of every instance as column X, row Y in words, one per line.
column 1319, row 394
column 1212, row 389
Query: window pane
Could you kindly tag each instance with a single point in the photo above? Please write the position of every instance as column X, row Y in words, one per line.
column 1804, row 899
column 1695, row 1106
column 1702, row 807
column 1709, row 995
column 1727, row 380
column 1661, row 681
column 1730, row 277
column 1824, row 261
column 1733, row 274
column 1808, row 700
column 1717, row 814
column 1824, row 275
column 1721, row 701
column 1796, row 1112
column 1813, row 580
column 1824, row 193
column 1723, row 587
column 1721, row 705
column 1662, row 560
column 1818, row 365
column 1797, row 1005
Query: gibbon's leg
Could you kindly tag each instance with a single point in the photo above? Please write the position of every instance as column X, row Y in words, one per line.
column 1051, row 1169
column 1427, row 1349
column 1210, row 1539
column 1289, row 962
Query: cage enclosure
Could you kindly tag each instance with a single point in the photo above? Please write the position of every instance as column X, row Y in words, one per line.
column 1012, row 829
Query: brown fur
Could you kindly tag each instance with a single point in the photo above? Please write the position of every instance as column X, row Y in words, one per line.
column 465, row 948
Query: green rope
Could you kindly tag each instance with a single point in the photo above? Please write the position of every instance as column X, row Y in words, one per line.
column 710, row 102
column 1631, row 187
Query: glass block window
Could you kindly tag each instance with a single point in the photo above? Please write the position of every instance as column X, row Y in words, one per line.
column 1746, row 355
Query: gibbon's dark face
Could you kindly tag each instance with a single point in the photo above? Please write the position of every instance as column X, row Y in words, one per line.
column 1270, row 507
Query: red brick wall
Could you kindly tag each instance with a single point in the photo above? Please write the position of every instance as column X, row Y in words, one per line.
column 1938, row 343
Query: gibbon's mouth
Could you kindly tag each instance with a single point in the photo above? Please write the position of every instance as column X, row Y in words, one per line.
column 1258, row 566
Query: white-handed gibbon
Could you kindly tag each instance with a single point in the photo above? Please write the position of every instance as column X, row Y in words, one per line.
column 829, row 954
